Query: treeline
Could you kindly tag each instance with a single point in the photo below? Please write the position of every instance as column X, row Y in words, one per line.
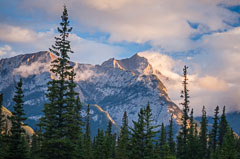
column 63, row 133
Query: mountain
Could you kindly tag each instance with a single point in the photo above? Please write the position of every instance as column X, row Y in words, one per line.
column 7, row 122
column 111, row 88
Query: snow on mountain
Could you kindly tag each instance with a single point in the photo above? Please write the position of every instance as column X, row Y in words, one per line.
column 115, row 86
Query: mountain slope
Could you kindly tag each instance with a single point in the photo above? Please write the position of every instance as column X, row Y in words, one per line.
column 116, row 86
column 7, row 114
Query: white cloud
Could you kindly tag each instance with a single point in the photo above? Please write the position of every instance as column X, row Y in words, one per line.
column 84, row 50
column 214, row 75
column 6, row 51
column 163, row 23
column 91, row 51
column 15, row 34
column 212, row 83
column 34, row 68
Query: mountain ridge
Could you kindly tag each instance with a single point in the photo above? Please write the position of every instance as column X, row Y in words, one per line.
column 115, row 85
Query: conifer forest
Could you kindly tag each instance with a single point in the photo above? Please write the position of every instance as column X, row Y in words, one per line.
column 63, row 133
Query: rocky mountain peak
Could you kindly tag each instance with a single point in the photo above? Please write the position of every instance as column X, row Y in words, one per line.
column 115, row 86
column 136, row 64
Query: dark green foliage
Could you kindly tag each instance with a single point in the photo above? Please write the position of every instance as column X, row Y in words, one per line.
column 123, row 140
column 150, row 133
column 163, row 145
column 36, row 150
column 142, row 135
column 222, row 127
column 98, row 145
column 182, row 137
column 109, row 142
column 61, row 121
column 185, row 104
column 138, row 137
column 203, row 135
column 171, row 142
column 17, row 143
column 213, row 136
column 193, row 142
column 228, row 150
column 87, row 154
column 62, row 136
column 162, row 141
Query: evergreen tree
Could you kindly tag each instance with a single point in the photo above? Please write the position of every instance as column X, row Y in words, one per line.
column 149, row 132
column 203, row 135
column 108, row 142
column 87, row 136
column 228, row 150
column 61, row 122
column 164, row 149
column 36, row 145
column 237, row 140
column 182, row 138
column 171, row 142
column 143, row 135
column 18, row 146
column 213, row 136
column 138, row 137
column 123, row 140
column 193, row 145
column 223, row 125
column 73, row 114
column 180, row 152
column 98, row 145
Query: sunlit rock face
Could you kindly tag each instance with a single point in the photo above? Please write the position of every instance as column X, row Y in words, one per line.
column 115, row 86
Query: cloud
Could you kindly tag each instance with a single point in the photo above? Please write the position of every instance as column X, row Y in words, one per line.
column 34, row 68
column 85, row 50
column 213, row 76
column 15, row 34
column 212, row 83
column 204, row 26
column 6, row 51
column 92, row 51
column 164, row 24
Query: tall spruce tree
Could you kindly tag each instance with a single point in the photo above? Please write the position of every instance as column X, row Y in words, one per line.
column 98, row 145
column 171, row 142
column 163, row 143
column 223, row 125
column 36, row 145
column 61, row 113
column 183, row 133
column 203, row 135
column 228, row 149
column 18, row 146
column 150, row 132
column 213, row 136
column 87, row 136
column 123, row 140
column 193, row 145
column 138, row 137
column 143, row 134
column 108, row 142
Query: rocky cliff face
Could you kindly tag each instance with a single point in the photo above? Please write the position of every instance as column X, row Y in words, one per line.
column 115, row 86
column 8, row 124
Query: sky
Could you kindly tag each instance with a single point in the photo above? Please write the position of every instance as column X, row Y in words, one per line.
column 203, row 34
